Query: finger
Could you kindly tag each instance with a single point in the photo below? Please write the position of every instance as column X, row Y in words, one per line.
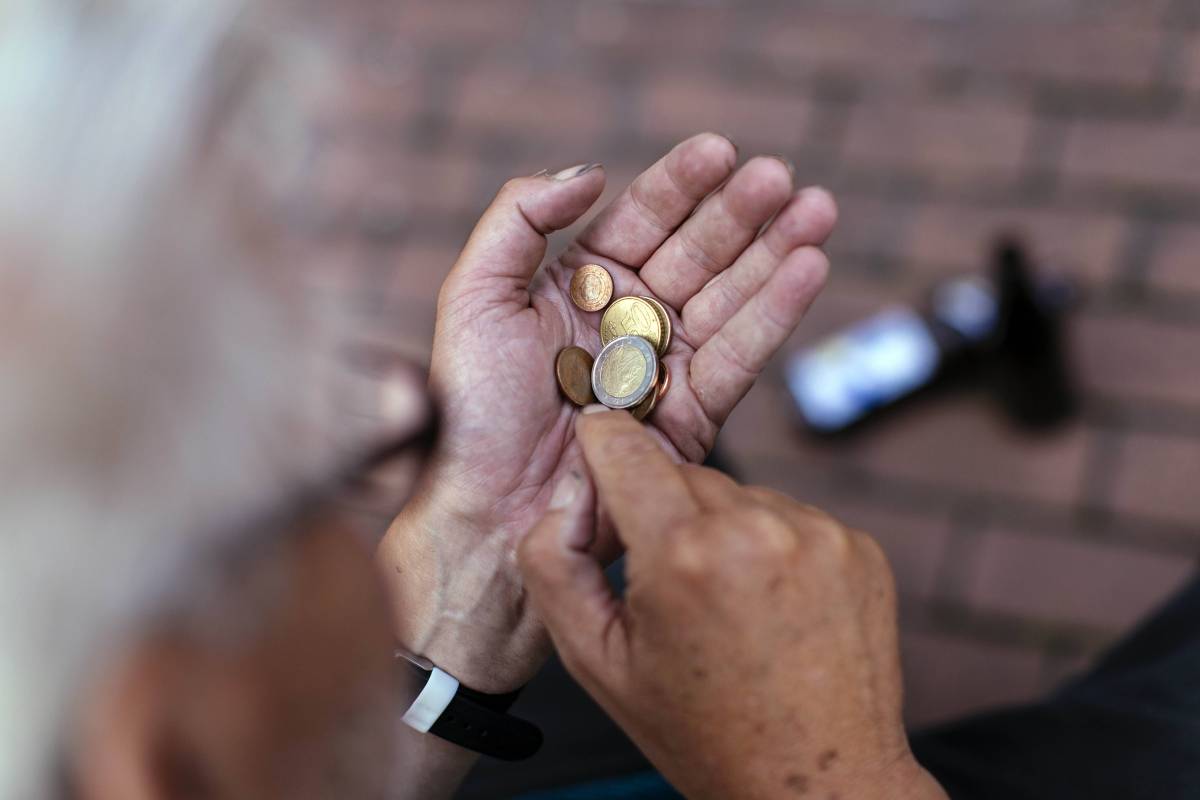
column 719, row 231
column 808, row 219
column 713, row 490
column 724, row 368
column 509, row 242
column 566, row 583
column 660, row 199
column 637, row 483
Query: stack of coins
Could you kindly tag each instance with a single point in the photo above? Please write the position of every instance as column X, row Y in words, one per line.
column 635, row 333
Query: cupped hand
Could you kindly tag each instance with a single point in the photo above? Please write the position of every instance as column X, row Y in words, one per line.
column 733, row 255
column 754, row 654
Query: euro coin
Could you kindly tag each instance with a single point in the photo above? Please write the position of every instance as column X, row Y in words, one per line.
column 573, row 368
column 625, row 372
column 632, row 316
column 664, row 320
column 591, row 287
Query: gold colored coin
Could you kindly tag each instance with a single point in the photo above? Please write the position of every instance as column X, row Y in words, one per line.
column 632, row 316
column 573, row 368
column 591, row 287
column 665, row 320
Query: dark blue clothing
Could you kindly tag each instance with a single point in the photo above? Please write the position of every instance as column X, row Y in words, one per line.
column 1129, row 729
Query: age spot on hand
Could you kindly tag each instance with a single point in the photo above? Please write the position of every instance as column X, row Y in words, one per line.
column 797, row 783
column 826, row 759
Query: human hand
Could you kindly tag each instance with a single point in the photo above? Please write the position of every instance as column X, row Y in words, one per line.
column 755, row 652
column 685, row 232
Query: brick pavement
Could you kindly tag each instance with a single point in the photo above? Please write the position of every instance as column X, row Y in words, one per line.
column 936, row 124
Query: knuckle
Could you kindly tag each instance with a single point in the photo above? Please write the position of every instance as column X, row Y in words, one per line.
column 827, row 537
column 762, row 533
column 690, row 560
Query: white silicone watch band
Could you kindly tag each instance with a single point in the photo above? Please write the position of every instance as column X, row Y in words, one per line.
column 432, row 701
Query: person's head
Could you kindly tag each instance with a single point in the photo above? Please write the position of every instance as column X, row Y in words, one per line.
column 182, row 613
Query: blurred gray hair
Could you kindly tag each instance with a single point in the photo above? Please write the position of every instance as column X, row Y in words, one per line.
column 150, row 348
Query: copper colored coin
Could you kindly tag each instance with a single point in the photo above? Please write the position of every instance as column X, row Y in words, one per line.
column 646, row 407
column 664, row 380
column 573, row 367
column 664, row 320
column 591, row 287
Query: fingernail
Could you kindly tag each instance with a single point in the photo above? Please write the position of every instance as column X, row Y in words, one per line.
column 574, row 172
column 594, row 408
column 787, row 162
column 540, row 173
column 566, row 491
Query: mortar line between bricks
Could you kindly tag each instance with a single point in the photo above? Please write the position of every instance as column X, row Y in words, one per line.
column 1100, row 473
column 1180, row 309
column 1003, row 629
column 959, row 561
column 910, row 186
column 1040, row 174
column 1137, row 252
column 1119, row 528
column 1142, row 415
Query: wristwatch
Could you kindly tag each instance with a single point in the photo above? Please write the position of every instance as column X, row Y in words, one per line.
column 466, row 717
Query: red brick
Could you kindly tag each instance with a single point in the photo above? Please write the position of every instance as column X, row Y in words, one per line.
column 870, row 226
column 675, row 106
column 949, row 238
column 538, row 103
column 417, row 269
column 1134, row 357
column 915, row 543
column 1067, row 53
column 648, row 32
column 1139, row 154
column 887, row 46
column 859, row 42
column 370, row 180
column 1158, row 477
column 1191, row 69
column 1177, row 264
column 963, row 443
column 1071, row 580
column 947, row 141
column 947, row 677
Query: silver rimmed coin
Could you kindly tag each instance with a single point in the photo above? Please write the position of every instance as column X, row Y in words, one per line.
column 625, row 372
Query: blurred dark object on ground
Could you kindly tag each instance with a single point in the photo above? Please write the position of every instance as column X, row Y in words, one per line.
column 1003, row 333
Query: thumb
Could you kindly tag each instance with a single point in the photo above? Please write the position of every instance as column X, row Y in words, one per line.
column 508, row 244
column 566, row 583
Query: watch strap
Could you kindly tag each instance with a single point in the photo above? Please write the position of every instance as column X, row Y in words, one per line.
column 471, row 719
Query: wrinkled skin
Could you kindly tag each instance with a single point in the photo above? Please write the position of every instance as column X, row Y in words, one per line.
column 761, row 632
column 690, row 232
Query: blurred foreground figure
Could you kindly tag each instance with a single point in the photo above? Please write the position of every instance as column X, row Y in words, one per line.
column 168, row 399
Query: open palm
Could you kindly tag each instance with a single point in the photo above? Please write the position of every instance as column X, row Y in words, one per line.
column 689, row 231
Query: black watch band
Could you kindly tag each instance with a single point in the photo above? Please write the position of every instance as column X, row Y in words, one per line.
column 468, row 718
